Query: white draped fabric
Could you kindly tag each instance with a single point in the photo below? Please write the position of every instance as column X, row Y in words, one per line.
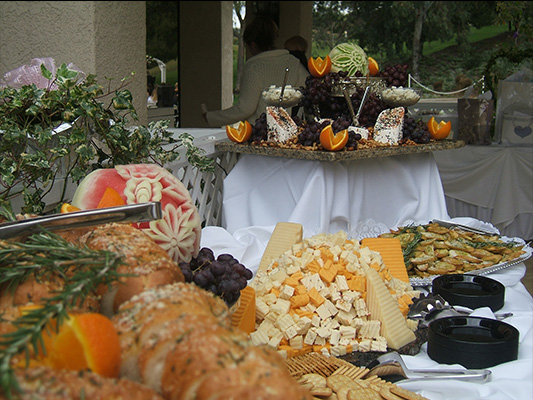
column 327, row 196
column 492, row 183
column 509, row 381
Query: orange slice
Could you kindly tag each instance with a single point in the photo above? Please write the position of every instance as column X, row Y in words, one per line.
column 373, row 67
column 66, row 208
column 439, row 130
column 111, row 198
column 83, row 341
column 333, row 141
column 241, row 133
column 318, row 67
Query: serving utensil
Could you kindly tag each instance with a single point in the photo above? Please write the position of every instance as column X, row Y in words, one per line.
column 392, row 364
column 142, row 212
column 283, row 87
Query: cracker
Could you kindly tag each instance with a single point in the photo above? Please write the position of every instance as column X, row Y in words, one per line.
column 363, row 394
column 315, row 380
column 342, row 393
column 336, row 382
column 321, row 392
column 406, row 394
column 388, row 395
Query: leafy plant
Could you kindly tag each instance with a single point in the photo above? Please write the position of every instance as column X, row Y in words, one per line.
column 64, row 131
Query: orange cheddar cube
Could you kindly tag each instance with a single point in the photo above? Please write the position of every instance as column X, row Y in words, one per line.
column 302, row 313
column 327, row 275
column 357, row 283
column 300, row 289
column 290, row 281
column 326, row 254
column 300, row 300
column 297, row 275
column 316, row 298
column 313, row 267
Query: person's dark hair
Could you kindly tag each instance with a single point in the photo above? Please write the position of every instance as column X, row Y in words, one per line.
column 263, row 31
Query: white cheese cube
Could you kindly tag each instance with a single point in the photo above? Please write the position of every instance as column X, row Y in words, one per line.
column 334, row 337
column 297, row 342
column 289, row 333
column 342, row 283
column 310, row 337
column 259, row 338
column 286, row 292
column 261, row 309
column 284, row 323
column 281, row 306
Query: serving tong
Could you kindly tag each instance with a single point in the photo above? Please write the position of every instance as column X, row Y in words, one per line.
column 428, row 308
column 142, row 212
column 392, row 364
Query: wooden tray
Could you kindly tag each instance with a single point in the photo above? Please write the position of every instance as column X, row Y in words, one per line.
column 320, row 155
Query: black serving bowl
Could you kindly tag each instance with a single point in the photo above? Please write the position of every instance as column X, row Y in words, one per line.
column 473, row 342
column 472, row 291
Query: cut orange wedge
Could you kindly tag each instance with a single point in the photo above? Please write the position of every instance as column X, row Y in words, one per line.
column 318, row 67
column 373, row 67
column 83, row 341
column 240, row 133
column 333, row 141
column 439, row 130
column 66, row 208
column 111, row 198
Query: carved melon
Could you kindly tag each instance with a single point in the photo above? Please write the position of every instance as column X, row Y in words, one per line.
column 178, row 232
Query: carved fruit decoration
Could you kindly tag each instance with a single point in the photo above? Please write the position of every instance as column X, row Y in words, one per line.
column 178, row 232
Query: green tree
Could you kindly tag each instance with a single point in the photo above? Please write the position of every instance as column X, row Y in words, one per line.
column 162, row 33
column 397, row 30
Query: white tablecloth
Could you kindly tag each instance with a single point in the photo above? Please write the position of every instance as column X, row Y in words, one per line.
column 330, row 196
column 492, row 183
column 509, row 381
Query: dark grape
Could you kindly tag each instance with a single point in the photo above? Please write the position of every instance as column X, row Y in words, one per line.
column 224, row 275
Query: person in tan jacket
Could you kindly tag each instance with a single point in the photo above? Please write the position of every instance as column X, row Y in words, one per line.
column 266, row 67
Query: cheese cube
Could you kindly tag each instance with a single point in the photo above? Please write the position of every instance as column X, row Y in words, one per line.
column 310, row 337
column 286, row 292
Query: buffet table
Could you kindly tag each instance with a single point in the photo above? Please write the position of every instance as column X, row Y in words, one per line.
column 326, row 196
column 509, row 381
column 492, row 183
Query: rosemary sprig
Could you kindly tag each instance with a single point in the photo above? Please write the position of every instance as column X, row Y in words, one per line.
column 43, row 255
column 408, row 250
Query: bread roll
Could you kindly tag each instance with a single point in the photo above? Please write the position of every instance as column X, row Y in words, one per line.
column 142, row 256
column 177, row 339
column 43, row 383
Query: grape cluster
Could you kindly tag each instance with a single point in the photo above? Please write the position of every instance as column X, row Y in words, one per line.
column 259, row 129
column 318, row 102
column 224, row 275
column 395, row 75
column 415, row 130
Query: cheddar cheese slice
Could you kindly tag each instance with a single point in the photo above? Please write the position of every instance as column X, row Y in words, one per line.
column 390, row 250
column 382, row 307
column 284, row 236
column 244, row 317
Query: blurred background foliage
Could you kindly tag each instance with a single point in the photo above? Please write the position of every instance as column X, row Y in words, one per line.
column 459, row 41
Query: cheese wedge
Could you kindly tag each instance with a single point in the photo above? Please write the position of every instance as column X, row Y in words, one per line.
column 244, row 317
column 390, row 250
column 284, row 236
column 382, row 307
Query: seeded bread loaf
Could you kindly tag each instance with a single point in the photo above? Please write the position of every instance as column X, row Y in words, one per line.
column 178, row 340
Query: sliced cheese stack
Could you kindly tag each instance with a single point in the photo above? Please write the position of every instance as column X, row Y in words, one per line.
column 244, row 317
column 284, row 236
column 383, row 308
column 390, row 250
